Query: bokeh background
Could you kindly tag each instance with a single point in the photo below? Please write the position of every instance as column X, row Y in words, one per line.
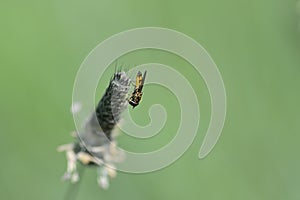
column 256, row 45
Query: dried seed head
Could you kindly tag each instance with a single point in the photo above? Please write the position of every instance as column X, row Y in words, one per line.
column 95, row 144
column 113, row 103
column 99, row 128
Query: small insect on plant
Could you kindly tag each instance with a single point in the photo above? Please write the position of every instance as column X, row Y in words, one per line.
column 137, row 93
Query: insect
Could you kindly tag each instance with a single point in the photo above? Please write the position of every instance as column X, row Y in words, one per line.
column 137, row 93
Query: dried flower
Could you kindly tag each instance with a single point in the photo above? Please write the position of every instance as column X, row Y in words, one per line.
column 96, row 144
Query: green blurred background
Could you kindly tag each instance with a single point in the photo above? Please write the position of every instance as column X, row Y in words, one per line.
column 256, row 45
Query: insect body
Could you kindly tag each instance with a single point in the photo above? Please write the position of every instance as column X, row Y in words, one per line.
column 137, row 93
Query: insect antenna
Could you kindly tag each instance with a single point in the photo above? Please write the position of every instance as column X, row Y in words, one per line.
column 144, row 77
